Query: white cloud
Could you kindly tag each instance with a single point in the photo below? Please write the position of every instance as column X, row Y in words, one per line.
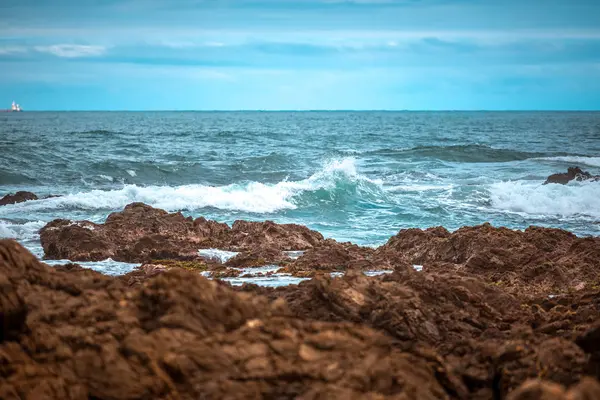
column 72, row 50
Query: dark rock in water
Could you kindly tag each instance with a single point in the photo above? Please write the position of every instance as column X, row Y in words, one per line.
column 573, row 173
column 18, row 197
column 140, row 233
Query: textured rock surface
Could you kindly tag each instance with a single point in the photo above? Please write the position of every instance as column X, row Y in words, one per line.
column 70, row 333
column 573, row 173
column 543, row 260
column 18, row 197
column 140, row 233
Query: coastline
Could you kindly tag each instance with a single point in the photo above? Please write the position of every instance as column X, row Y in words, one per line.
column 492, row 312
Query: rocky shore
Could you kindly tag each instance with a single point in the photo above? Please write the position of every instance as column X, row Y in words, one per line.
column 491, row 313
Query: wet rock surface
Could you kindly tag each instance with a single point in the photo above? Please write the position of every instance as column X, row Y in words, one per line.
column 573, row 173
column 18, row 197
column 140, row 233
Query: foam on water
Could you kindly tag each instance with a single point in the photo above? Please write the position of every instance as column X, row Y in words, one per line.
column 6, row 232
column 574, row 199
column 250, row 197
column 107, row 267
column 219, row 255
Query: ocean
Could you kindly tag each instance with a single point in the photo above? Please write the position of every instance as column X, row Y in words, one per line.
column 353, row 176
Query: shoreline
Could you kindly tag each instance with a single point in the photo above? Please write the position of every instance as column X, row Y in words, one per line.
column 451, row 330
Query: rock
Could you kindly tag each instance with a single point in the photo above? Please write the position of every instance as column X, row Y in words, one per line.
column 18, row 197
column 537, row 389
column 140, row 233
column 247, row 235
column 258, row 257
column 538, row 260
column 573, row 173
column 76, row 335
column 333, row 256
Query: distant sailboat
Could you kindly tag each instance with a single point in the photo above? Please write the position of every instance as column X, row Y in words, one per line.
column 14, row 108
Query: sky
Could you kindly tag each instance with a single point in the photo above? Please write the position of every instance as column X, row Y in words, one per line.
column 300, row 55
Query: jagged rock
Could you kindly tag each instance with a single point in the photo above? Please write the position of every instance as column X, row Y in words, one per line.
column 333, row 256
column 140, row 233
column 70, row 333
column 538, row 260
column 259, row 257
column 573, row 173
column 18, row 197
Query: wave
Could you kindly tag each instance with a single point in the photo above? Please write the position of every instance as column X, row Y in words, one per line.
column 469, row 153
column 336, row 182
column 26, row 231
column 14, row 178
column 577, row 199
column 574, row 160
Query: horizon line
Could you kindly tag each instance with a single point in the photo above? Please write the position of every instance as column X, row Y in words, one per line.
column 312, row 110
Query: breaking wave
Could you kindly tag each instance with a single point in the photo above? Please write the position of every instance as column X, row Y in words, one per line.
column 572, row 200
column 336, row 182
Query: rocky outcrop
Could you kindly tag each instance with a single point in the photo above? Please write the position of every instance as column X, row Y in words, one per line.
column 75, row 334
column 140, row 233
column 538, row 260
column 573, row 173
column 537, row 389
column 332, row 256
column 18, row 197
column 259, row 257
column 488, row 338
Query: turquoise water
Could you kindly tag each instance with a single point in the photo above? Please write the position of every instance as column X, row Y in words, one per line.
column 358, row 176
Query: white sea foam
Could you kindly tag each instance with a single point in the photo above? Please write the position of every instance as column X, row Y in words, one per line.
column 574, row 199
column 107, row 177
column 574, row 160
column 26, row 231
column 6, row 232
column 131, row 172
column 107, row 267
column 219, row 255
column 251, row 197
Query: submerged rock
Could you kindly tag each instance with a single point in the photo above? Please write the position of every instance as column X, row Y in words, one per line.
column 18, row 197
column 573, row 173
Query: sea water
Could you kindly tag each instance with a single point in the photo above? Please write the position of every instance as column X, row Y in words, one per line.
column 353, row 176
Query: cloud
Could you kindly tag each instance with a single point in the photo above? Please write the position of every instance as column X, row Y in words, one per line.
column 72, row 50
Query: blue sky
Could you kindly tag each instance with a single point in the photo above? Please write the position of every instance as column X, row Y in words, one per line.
column 311, row 54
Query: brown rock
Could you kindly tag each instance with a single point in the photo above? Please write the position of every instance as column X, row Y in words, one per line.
column 538, row 260
column 18, row 197
column 79, row 335
column 537, row 389
column 140, row 233
column 247, row 235
column 332, row 256
column 573, row 173
column 259, row 257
